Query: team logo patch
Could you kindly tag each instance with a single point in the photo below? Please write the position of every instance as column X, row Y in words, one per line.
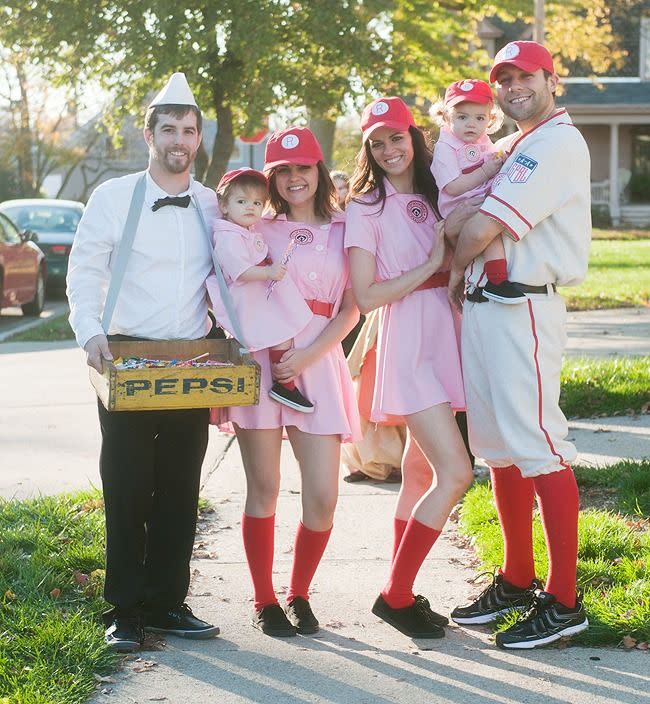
column 510, row 51
column 466, row 86
column 290, row 141
column 417, row 210
column 472, row 153
column 302, row 236
column 380, row 108
column 258, row 243
column 521, row 169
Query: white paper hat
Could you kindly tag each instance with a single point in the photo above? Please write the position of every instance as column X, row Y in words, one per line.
column 176, row 92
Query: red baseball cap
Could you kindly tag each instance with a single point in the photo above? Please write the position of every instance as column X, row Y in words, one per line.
column 295, row 145
column 528, row 56
column 233, row 175
column 390, row 112
column 468, row 91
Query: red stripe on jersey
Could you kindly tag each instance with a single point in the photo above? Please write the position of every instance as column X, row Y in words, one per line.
column 514, row 210
column 515, row 236
column 562, row 111
column 539, row 389
column 473, row 167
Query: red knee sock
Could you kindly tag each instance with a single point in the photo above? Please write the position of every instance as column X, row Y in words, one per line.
column 399, row 526
column 557, row 496
column 514, row 496
column 275, row 356
column 258, row 536
column 307, row 553
column 417, row 541
column 496, row 270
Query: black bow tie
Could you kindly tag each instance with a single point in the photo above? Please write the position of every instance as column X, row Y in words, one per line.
column 180, row 201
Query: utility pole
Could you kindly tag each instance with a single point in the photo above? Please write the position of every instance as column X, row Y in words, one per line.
column 538, row 28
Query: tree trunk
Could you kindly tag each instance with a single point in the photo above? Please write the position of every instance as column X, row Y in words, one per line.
column 24, row 136
column 223, row 145
column 201, row 163
column 324, row 129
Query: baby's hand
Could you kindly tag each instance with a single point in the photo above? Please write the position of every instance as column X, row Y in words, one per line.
column 276, row 272
column 493, row 165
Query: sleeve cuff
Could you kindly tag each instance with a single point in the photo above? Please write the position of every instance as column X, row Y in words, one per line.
column 514, row 223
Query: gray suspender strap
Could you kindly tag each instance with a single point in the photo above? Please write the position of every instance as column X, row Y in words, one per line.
column 124, row 250
column 223, row 287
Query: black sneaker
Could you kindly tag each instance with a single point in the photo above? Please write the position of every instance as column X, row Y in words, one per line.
column 414, row 621
column 545, row 622
column 301, row 616
column 291, row 398
column 505, row 292
column 124, row 634
column 274, row 622
column 496, row 599
column 437, row 618
column 180, row 621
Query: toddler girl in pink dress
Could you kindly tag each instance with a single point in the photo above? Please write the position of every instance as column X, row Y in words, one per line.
column 271, row 311
column 465, row 162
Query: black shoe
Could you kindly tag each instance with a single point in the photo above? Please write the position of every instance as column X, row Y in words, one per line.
column 301, row 616
column 124, row 634
column 291, row 398
column 414, row 621
column 505, row 292
column 274, row 622
column 437, row 618
column 496, row 599
column 180, row 621
column 545, row 622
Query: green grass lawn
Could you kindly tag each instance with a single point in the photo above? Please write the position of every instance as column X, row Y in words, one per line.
column 617, row 233
column 618, row 276
column 592, row 387
column 51, row 577
column 51, row 330
column 614, row 547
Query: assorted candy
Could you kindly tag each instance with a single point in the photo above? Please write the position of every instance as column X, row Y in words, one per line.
column 145, row 363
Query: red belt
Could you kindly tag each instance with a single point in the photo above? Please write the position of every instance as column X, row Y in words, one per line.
column 437, row 280
column 321, row 308
column 266, row 262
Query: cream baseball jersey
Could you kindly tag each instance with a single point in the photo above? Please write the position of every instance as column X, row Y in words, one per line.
column 542, row 196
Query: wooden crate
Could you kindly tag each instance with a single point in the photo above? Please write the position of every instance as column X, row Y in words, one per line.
column 178, row 387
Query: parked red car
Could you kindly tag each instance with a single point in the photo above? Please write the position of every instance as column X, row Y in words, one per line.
column 23, row 271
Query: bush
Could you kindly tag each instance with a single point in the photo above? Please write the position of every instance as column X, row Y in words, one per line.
column 600, row 216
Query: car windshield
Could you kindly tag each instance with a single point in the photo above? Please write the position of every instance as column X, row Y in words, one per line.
column 45, row 218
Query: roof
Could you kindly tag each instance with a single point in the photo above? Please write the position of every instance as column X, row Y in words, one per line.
column 602, row 94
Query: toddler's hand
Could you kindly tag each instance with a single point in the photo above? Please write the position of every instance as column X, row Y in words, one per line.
column 493, row 165
column 276, row 272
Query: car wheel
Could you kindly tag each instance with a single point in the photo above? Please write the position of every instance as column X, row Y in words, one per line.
column 35, row 307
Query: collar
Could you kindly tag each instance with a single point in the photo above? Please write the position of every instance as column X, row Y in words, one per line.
column 337, row 216
column 223, row 225
column 448, row 137
column 153, row 191
column 559, row 116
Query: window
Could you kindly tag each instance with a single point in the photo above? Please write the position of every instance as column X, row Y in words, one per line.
column 639, row 187
column 644, row 54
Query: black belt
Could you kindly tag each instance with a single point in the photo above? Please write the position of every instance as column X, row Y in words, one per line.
column 476, row 296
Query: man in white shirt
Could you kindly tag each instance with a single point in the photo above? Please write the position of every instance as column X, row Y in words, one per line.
column 150, row 461
column 512, row 348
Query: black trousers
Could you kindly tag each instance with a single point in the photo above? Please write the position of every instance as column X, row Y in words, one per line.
column 150, row 465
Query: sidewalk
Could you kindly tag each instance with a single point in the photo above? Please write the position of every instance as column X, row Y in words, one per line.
column 355, row 658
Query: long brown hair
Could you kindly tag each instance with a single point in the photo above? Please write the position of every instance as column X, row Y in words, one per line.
column 324, row 201
column 369, row 176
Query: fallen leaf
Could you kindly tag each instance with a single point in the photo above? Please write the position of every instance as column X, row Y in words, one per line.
column 55, row 593
column 9, row 594
column 628, row 642
column 80, row 577
column 335, row 625
column 144, row 665
column 642, row 646
column 101, row 679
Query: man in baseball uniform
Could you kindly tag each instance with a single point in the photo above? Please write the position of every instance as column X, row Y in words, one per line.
column 512, row 354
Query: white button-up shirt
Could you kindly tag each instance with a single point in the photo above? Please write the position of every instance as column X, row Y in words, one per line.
column 163, row 295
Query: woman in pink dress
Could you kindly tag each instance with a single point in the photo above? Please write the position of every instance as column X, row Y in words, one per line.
column 396, row 246
column 306, row 224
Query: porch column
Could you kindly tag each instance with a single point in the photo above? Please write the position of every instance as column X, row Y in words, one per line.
column 614, row 190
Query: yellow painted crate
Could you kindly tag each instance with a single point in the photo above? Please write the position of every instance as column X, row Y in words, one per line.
column 168, row 388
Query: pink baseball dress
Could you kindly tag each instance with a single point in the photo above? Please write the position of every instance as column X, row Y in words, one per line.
column 265, row 320
column 418, row 358
column 319, row 269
